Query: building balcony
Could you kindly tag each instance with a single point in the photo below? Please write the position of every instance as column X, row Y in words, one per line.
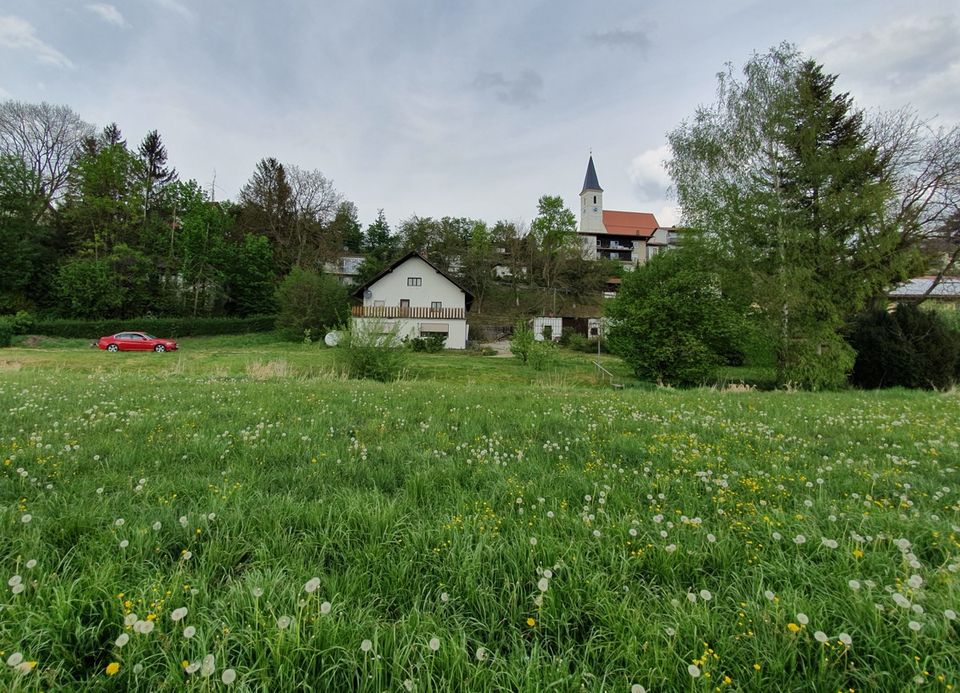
column 417, row 312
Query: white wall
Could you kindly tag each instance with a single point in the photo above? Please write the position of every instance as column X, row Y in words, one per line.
column 410, row 328
column 434, row 287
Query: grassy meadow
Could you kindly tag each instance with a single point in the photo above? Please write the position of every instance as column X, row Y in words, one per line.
column 236, row 515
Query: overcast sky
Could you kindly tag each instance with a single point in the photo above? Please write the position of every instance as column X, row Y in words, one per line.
column 440, row 107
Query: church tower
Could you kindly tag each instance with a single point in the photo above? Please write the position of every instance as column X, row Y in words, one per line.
column 591, row 202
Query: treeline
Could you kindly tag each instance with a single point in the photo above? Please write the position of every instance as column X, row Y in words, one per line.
column 93, row 226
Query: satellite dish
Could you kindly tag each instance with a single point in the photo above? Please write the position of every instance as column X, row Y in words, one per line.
column 332, row 338
column 367, row 293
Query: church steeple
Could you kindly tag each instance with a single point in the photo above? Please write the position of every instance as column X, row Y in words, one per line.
column 590, row 181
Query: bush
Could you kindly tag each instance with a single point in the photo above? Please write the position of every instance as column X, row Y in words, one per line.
column 6, row 332
column 575, row 341
column 431, row 345
column 671, row 323
column 522, row 341
column 307, row 300
column 541, row 355
column 161, row 327
column 372, row 352
column 22, row 322
column 819, row 362
column 909, row 347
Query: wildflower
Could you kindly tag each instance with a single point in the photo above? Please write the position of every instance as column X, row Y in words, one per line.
column 705, row 595
column 408, row 684
column 915, row 626
column 829, row 543
column 113, row 668
column 769, row 595
column 777, row 536
column 793, row 627
column 669, row 631
column 157, row 526
column 183, row 521
column 211, row 517
column 325, row 607
column 533, row 541
column 670, row 548
column 901, row 601
column 531, row 622
column 189, row 632
column 137, row 668
column 366, row 646
column 550, row 514
column 18, row 588
column 14, row 659
column 187, row 555
column 193, row 667
column 691, row 597
column 547, row 573
column 711, row 538
column 693, row 670
column 178, row 613
column 257, row 592
column 481, row 654
column 124, row 544
column 637, row 688
column 283, row 622
column 756, row 667
column 444, row 597
column 208, row 666
column 596, row 533
column 915, row 581
column 434, row 644
column 312, row 585
column 543, row 584
column 803, row 619
column 228, row 676
column 31, row 564
column 845, row 639
column 857, row 553
column 143, row 627
column 820, row 636
column 950, row 614
column 25, row 518
column 122, row 640
column 25, row 667
column 119, row 522
column 854, row 584
column 130, row 619
column 14, row 581
column 799, row 539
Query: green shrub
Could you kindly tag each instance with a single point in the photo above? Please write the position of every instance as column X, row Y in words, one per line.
column 431, row 344
column 541, row 355
column 161, row 327
column 372, row 352
column 22, row 322
column 522, row 341
column 307, row 300
column 6, row 331
column 819, row 362
column 909, row 347
column 575, row 341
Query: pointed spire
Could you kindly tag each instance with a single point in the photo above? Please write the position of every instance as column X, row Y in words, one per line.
column 590, row 181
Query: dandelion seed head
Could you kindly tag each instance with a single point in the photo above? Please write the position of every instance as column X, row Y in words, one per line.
column 434, row 644
column 803, row 619
column 228, row 677
column 122, row 640
column 189, row 632
column 693, row 670
column 31, row 564
column 14, row 659
column 311, row 586
column 178, row 614
column 283, row 622
column 366, row 646
column 820, row 636
column 915, row 626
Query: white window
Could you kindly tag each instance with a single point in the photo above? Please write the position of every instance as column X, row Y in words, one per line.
column 436, row 305
column 414, row 281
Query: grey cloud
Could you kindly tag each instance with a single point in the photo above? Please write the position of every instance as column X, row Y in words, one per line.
column 19, row 34
column 523, row 90
column 621, row 38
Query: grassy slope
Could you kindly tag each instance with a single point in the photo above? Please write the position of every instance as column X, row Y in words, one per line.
column 396, row 495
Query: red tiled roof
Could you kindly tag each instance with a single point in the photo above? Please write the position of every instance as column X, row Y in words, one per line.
column 639, row 224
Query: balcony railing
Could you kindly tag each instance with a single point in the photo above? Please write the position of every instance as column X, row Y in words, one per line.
column 418, row 312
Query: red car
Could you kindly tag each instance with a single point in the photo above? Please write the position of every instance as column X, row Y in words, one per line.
column 135, row 341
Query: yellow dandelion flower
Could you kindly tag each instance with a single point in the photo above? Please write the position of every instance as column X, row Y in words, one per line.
column 113, row 668
column 793, row 628
column 756, row 667
column 531, row 622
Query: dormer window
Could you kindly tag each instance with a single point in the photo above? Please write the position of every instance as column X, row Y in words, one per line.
column 414, row 281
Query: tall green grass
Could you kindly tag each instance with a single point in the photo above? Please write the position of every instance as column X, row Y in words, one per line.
column 489, row 534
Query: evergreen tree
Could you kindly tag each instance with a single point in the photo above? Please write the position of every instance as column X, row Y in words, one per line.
column 346, row 228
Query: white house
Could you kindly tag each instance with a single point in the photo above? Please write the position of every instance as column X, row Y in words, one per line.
column 418, row 299
column 630, row 237
column 345, row 268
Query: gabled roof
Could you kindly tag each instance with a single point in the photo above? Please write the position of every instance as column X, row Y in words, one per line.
column 638, row 224
column 590, row 181
column 358, row 292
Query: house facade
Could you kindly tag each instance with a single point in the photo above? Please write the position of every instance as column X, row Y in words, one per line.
column 417, row 299
column 631, row 238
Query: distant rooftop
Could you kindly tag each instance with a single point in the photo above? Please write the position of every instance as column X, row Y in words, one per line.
column 590, row 181
column 949, row 287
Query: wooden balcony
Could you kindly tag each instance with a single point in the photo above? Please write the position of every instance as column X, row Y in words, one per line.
column 417, row 312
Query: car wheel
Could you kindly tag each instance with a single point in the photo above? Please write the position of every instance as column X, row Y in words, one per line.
column 159, row 348
column 113, row 347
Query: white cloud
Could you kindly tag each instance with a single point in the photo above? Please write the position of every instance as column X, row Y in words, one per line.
column 648, row 175
column 913, row 60
column 108, row 13
column 19, row 34
column 177, row 7
column 669, row 215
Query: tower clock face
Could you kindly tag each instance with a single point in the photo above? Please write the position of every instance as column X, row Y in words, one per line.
column 594, row 209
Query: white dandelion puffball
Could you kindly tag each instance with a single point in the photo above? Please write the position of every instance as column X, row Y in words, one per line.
column 366, row 646
column 18, row 588
column 548, row 573
column 257, row 592
column 669, row 631
column 137, row 668
column 192, row 667
column 845, row 639
column 915, row 626
column 637, row 688
column 705, row 595
column 325, row 607
column 146, row 627
column 157, row 526
column 25, row 518
column 211, row 517
column 670, row 548
column 183, row 520
column 533, row 541
column 14, row 659
column 130, row 619
column 228, row 676
column 178, row 614
column 543, row 584
column 14, row 581
column 312, row 585
column 854, row 584
column 31, row 564
column 915, row 581
column 769, row 595
column 481, row 654
column 208, row 666
column 693, row 670
column 119, row 522
column 691, row 597
column 803, row 619
column 189, row 632
column 434, row 644
column 122, row 640
column 799, row 539
column 829, row 543
column 950, row 614
column 187, row 555
column 283, row 622
column 124, row 544
column 596, row 532
column 711, row 538
column 777, row 536
column 820, row 636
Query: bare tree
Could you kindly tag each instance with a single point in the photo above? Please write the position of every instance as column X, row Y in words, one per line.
column 45, row 137
column 315, row 203
column 924, row 171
